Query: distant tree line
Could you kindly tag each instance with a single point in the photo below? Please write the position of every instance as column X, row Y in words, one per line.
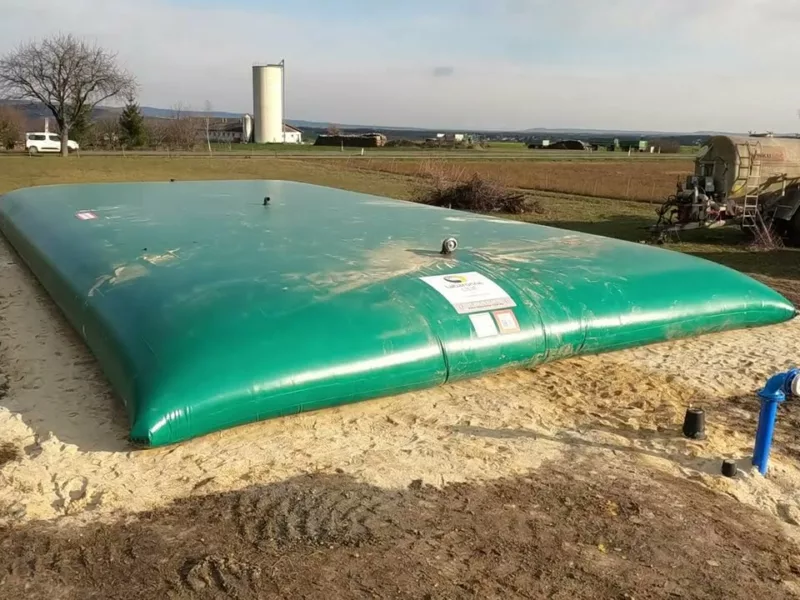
column 132, row 130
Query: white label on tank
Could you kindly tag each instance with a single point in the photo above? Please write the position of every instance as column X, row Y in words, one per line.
column 470, row 292
column 506, row 321
column 483, row 324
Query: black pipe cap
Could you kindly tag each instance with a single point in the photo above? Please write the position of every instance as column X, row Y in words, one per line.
column 729, row 468
column 694, row 424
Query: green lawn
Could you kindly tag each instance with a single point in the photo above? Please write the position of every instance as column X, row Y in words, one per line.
column 495, row 151
column 507, row 147
column 504, row 147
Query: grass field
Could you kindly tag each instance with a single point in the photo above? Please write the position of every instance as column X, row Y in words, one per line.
column 504, row 147
column 567, row 206
column 649, row 180
column 494, row 151
column 17, row 171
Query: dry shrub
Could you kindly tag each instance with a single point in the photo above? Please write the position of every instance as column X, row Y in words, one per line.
column 765, row 237
column 13, row 123
column 475, row 194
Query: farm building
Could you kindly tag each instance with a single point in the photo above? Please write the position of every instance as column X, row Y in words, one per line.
column 292, row 135
column 223, row 131
column 561, row 145
column 231, row 131
column 451, row 137
column 367, row 140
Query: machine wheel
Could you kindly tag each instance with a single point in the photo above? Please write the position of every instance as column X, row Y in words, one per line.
column 793, row 229
column 33, row 151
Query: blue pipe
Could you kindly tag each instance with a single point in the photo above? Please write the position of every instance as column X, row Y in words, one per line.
column 777, row 388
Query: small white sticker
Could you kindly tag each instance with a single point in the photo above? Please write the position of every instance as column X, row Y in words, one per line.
column 85, row 215
column 483, row 324
column 470, row 292
column 506, row 321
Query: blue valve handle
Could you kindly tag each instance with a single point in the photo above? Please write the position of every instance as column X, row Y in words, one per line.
column 777, row 388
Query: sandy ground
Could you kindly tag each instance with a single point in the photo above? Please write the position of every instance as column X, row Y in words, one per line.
column 568, row 480
column 577, row 528
column 63, row 435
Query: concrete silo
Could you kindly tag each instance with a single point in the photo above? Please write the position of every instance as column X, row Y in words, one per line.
column 268, row 103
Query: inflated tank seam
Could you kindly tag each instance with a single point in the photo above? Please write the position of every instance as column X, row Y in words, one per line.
column 444, row 359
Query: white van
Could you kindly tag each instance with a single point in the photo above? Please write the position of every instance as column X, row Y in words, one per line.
column 46, row 142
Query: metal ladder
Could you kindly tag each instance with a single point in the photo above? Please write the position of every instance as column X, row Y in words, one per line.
column 745, row 152
column 753, row 218
column 750, row 171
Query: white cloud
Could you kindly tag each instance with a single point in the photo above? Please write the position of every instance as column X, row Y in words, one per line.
column 654, row 64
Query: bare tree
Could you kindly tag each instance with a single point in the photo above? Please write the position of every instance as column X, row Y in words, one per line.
column 180, row 129
column 156, row 132
column 106, row 134
column 68, row 75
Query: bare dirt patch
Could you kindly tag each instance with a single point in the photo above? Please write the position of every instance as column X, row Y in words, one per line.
column 575, row 530
column 8, row 453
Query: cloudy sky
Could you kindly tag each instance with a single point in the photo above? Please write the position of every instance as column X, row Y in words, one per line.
column 673, row 65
